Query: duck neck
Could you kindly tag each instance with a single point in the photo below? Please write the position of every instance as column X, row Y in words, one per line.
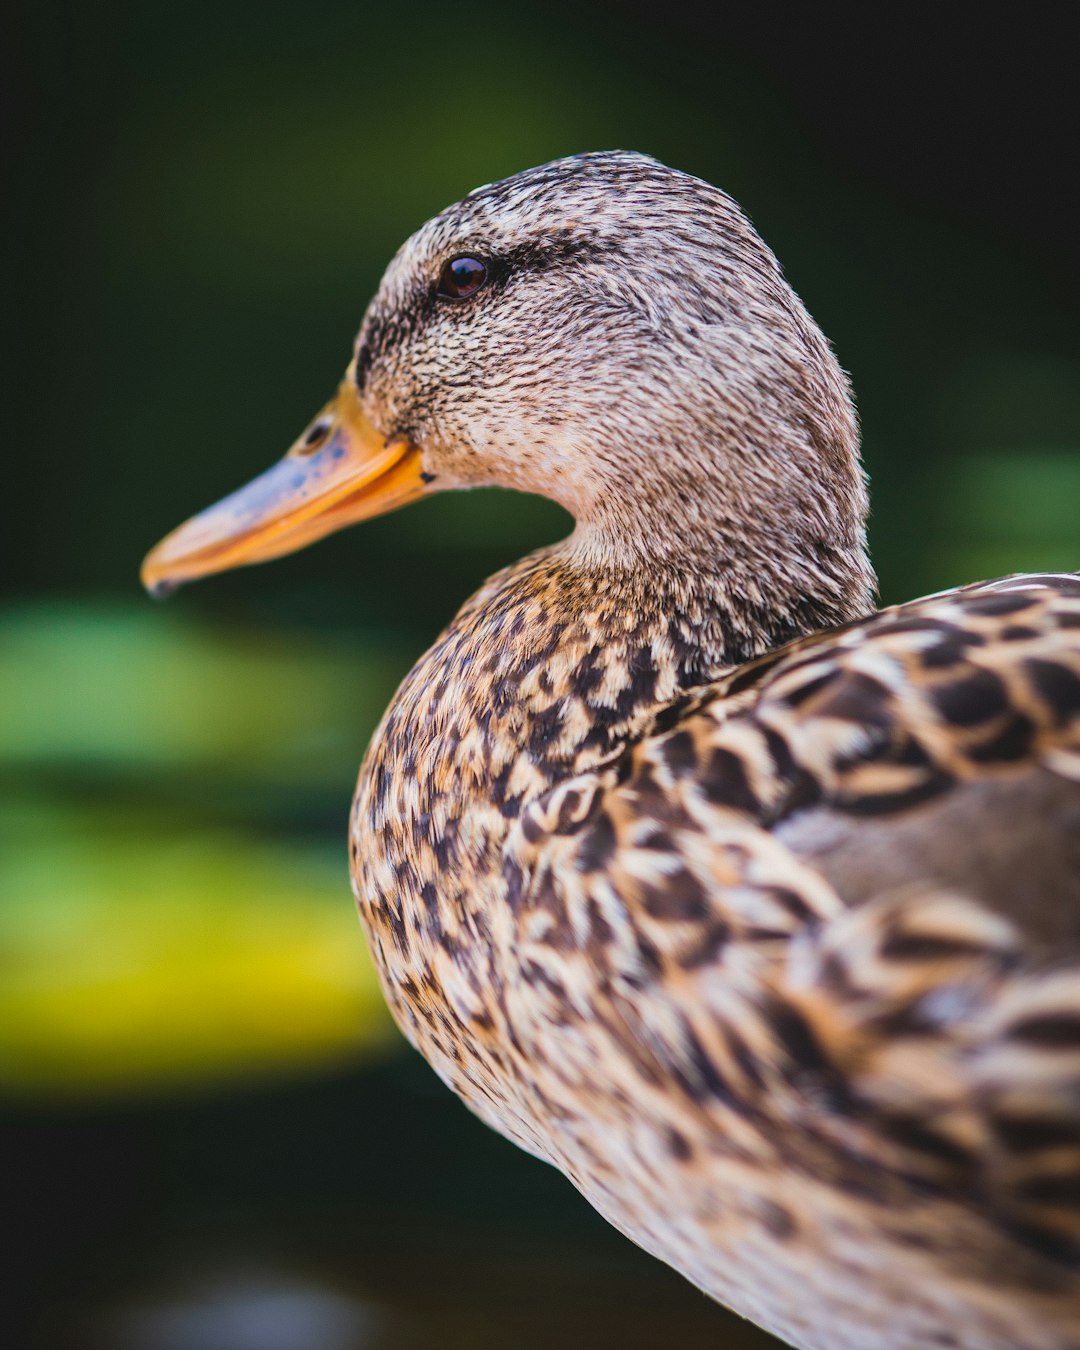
column 554, row 665
column 550, row 669
column 728, row 593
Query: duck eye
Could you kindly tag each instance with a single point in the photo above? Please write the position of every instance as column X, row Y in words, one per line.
column 462, row 277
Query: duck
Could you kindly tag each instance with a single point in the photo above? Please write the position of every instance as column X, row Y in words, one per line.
column 751, row 907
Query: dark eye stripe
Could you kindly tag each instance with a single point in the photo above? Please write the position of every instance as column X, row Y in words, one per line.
column 462, row 277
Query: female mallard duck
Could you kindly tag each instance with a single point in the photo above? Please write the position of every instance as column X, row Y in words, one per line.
column 753, row 910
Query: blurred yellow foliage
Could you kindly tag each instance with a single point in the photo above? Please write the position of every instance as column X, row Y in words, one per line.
column 133, row 955
column 141, row 945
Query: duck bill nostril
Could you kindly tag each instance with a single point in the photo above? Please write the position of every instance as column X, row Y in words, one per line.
column 314, row 437
column 339, row 471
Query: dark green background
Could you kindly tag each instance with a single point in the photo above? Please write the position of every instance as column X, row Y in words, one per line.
column 200, row 199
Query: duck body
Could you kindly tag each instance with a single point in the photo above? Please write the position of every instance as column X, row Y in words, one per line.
column 753, row 910
column 850, row 1116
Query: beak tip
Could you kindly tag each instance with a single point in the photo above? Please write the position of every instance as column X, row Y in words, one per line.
column 158, row 587
column 161, row 590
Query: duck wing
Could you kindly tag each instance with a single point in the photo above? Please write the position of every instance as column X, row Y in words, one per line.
column 936, row 744
column 828, row 908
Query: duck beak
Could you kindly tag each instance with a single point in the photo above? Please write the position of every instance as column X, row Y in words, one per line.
column 338, row 471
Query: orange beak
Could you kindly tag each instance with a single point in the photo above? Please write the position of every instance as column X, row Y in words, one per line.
column 339, row 471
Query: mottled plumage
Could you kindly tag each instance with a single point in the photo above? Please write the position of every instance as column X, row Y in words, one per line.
column 769, row 937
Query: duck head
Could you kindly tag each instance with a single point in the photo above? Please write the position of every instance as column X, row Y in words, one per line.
column 604, row 331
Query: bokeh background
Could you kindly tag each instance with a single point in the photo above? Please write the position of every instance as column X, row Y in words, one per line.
column 212, row 1137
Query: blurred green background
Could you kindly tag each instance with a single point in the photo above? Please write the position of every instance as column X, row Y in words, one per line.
column 213, row 1137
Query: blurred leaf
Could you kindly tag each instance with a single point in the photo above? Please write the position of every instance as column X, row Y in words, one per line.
column 998, row 511
column 133, row 955
column 132, row 688
column 1027, row 493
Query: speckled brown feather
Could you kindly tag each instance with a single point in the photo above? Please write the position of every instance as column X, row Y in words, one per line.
column 691, row 928
column 636, row 980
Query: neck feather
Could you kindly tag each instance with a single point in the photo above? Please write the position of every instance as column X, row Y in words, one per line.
column 550, row 668
column 559, row 660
